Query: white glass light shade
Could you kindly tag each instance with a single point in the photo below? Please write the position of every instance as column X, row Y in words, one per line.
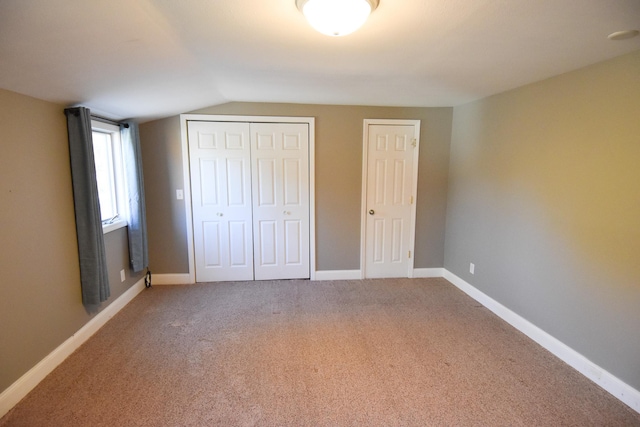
column 336, row 17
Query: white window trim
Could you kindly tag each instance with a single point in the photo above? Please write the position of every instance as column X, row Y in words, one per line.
column 115, row 225
column 119, row 175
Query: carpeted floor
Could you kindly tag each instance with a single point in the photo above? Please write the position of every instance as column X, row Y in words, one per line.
column 401, row 352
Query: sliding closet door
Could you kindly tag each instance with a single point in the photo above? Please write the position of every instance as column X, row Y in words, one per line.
column 280, row 181
column 220, row 160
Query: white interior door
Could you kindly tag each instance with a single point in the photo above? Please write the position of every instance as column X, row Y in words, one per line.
column 280, row 176
column 391, row 170
column 220, row 162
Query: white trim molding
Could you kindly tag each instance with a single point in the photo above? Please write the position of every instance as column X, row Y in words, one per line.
column 338, row 275
column 19, row 389
column 310, row 121
column 428, row 272
column 616, row 387
column 116, row 225
column 172, row 279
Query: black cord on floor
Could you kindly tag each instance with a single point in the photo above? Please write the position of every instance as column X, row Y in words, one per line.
column 147, row 279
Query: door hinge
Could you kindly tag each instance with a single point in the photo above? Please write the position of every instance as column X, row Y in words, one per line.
column 411, row 200
column 414, row 142
column 409, row 254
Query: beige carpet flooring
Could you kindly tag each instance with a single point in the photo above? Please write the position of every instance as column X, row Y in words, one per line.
column 402, row 352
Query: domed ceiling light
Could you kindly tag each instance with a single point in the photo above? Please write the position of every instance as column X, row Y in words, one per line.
column 336, row 17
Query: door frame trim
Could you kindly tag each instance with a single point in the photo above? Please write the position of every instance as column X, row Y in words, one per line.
column 414, row 189
column 186, row 173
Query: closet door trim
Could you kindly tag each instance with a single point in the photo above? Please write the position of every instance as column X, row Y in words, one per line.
column 184, row 118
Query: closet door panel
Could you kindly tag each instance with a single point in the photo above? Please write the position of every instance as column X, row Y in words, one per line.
column 280, row 166
column 220, row 160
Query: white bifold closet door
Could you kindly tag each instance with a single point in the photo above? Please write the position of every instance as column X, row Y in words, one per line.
column 280, row 183
column 250, row 200
column 219, row 156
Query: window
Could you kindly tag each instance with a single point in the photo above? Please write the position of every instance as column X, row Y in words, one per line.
column 107, row 152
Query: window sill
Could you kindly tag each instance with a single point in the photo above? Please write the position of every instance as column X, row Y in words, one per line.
column 121, row 223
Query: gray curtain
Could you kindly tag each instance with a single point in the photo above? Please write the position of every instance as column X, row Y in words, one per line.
column 137, row 221
column 93, row 262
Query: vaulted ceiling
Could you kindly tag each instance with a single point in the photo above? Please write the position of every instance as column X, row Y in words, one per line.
column 153, row 58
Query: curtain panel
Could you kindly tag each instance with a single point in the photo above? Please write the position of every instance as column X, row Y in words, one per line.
column 93, row 263
column 136, row 221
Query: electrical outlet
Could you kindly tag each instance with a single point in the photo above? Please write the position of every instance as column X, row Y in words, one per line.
column 472, row 268
column 122, row 276
column 179, row 194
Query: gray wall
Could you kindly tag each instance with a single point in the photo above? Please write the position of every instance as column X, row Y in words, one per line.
column 544, row 198
column 40, row 299
column 338, row 181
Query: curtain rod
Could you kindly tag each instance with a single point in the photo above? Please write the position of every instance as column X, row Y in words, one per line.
column 111, row 122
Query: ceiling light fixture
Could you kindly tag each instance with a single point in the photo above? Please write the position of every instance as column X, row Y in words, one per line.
column 336, row 17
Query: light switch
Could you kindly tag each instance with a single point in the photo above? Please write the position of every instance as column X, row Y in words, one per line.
column 179, row 194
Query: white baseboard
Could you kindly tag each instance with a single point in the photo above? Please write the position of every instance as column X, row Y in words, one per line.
column 595, row 373
column 357, row 274
column 428, row 272
column 185, row 279
column 338, row 275
column 19, row 389
column 171, row 279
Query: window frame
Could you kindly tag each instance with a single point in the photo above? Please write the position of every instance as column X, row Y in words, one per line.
column 117, row 176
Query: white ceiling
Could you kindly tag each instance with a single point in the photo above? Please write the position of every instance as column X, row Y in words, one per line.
column 153, row 58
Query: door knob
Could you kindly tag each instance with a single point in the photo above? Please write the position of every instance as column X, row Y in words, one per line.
column 371, row 212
